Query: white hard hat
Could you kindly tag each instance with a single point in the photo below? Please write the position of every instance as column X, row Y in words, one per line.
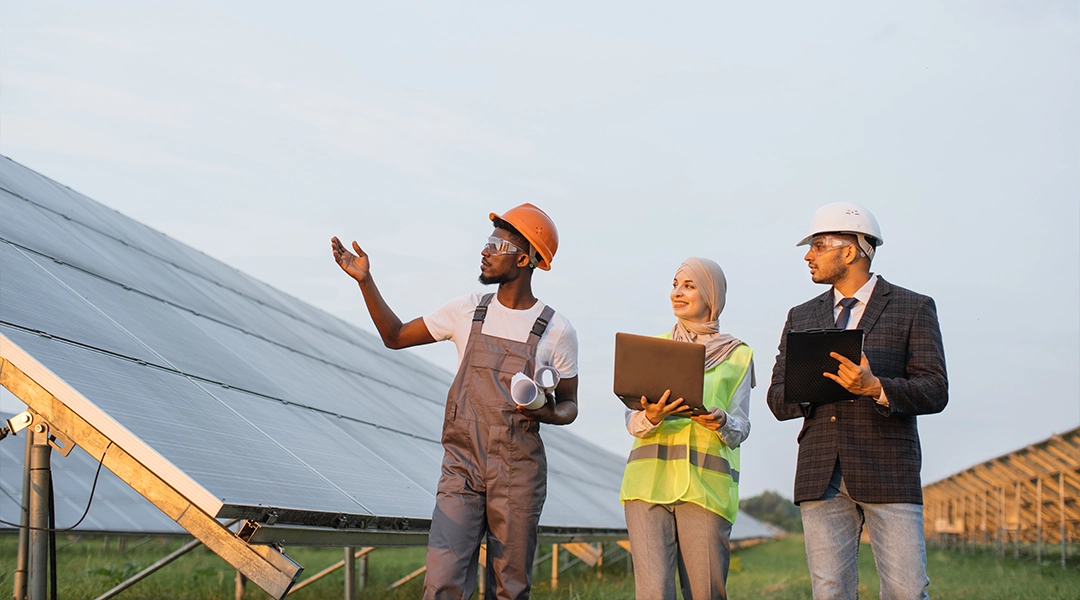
column 846, row 217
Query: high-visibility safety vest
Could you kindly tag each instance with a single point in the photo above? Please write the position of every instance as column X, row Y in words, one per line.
column 685, row 462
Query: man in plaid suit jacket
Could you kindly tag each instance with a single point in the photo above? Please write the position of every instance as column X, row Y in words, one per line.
column 859, row 460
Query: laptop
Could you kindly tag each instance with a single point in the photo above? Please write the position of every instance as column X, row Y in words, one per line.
column 647, row 366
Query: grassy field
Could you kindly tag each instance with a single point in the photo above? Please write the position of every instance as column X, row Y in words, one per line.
column 775, row 570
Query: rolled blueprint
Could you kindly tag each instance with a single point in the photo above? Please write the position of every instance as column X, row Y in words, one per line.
column 547, row 378
column 525, row 392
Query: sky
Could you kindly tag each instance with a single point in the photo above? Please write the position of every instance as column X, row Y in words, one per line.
column 255, row 131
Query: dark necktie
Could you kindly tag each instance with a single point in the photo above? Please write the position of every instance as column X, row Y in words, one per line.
column 845, row 312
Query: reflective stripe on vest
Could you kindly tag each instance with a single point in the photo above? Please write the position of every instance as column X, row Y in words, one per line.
column 683, row 462
column 698, row 459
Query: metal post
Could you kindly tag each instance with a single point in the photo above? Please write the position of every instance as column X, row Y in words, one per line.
column 362, row 573
column 934, row 516
column 985, row 494
column 1061, row 507
column 554, row 566
column 1001, row 521
column 1016, row 547
column 962, row 539
column 350, row 573
column 361, row 554
column 943, row 515
column 970, row 533
column 241, row 583
column 951, row 517
column 1038, row 520
column 23, row 559
column 40, row 465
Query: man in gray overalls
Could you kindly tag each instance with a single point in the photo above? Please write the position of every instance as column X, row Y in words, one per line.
column 494, row 472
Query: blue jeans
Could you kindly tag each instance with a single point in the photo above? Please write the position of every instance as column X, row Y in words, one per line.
column 683, row 536
column 832, row 528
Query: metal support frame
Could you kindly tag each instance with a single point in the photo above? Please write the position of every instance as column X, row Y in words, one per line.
column 254, row 532
column 554, row 566
column 240, row 586
column 1061, row 508
column 22, row 563
column 362, row 569
column 40, row 478
column 1025, row 501
column 481, row 573
column 350, row 573
column 625, row 545
column 1016, row 540
column 1001, row 522
column 1038, row 521
column 265, row 566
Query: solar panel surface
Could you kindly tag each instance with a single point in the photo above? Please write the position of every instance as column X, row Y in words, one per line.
column 248, row 399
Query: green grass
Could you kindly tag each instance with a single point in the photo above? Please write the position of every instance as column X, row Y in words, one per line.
column 775, row 570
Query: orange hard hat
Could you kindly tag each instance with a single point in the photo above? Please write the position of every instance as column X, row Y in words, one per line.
column 537, row 227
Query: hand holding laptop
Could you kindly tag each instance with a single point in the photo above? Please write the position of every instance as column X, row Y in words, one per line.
column 713, row 420
column 651, row 368
column 659, row 410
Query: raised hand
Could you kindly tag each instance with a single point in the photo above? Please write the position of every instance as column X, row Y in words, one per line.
column 356, row 265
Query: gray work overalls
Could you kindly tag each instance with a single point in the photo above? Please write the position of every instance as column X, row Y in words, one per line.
column 494, row 472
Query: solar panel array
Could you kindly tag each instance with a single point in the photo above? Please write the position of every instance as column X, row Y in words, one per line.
column 247, row 397
column 116, row 508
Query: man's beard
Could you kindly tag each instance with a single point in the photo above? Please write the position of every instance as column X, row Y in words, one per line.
column 499, row 279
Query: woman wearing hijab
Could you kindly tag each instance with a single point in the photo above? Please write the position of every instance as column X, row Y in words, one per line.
column 680, row 488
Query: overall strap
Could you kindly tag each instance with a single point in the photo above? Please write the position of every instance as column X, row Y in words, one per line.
column 541, row 324
column 481, row 312
column 481, row 308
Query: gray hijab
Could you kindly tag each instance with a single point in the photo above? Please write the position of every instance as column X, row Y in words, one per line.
column 711, row 283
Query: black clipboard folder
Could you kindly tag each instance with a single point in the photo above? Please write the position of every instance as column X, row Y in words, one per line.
column 808, row 357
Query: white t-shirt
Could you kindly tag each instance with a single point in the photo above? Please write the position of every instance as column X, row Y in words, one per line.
column 558, row 347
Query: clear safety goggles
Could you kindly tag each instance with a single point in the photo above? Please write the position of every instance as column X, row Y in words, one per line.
column 826, row 243
column 496, row 246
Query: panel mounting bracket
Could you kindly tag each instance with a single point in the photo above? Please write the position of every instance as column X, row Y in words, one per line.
column 28, row 419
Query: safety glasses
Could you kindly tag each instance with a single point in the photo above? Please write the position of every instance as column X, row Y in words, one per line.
column 496, row 246
column 823, row 244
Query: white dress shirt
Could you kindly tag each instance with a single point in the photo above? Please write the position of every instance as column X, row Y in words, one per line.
column 863, row 296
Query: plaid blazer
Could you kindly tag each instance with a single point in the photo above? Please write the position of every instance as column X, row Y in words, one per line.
column 878, row 447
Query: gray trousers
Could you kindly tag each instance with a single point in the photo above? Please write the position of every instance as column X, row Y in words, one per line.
column 664, row 537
